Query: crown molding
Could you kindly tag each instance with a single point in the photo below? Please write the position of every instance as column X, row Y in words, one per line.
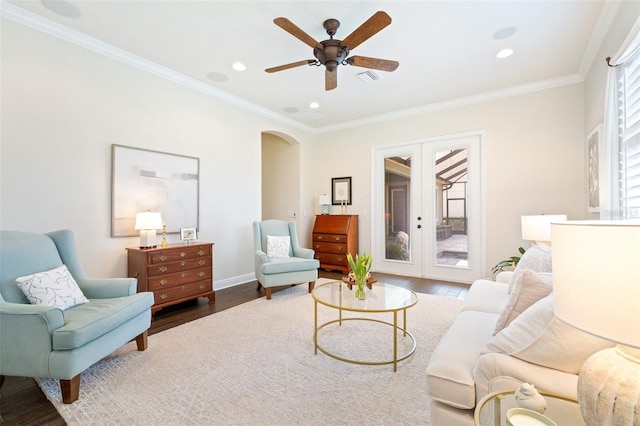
column 47, row 26
column 607, row 15
column 460, row 102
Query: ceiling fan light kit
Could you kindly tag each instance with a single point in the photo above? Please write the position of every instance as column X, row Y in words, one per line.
column 334, row 52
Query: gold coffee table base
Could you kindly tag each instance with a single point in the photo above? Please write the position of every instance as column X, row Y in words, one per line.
column 354, row 361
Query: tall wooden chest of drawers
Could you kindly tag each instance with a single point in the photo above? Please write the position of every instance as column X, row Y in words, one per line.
column 333, row 237
column 174, row 274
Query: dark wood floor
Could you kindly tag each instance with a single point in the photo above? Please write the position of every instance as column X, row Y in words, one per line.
column 23, row 403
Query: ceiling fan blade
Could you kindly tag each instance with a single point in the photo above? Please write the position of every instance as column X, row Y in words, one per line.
column 330, row 79
column 295, row 31
column 371, row 26
column 373, row 63
column 291, row 65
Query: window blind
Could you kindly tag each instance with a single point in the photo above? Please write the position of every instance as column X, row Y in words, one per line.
column 629, row 103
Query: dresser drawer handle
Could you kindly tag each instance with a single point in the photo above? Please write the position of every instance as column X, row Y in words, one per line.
column 337, row 238
column 201, row 274
column 164, row 296
column 201, row 252
column 163, row 269
column 319, row 237
column 182, row 275
column 164, row 281
column 201, row 286
column 340, row 247
column 183, row 263
column 182, row 254
column 201, row 262
column 183, row 288
column 341, row 259
column 162, row 258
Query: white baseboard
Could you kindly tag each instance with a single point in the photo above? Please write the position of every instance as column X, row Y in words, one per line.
column 233, row 281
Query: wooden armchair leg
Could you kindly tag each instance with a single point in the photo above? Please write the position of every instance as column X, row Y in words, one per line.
column 141, row 340
column 267, row 291
column 70, row 389
column 311, row 285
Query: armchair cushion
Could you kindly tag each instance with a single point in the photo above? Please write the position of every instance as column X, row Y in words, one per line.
column 290, row 264
column 278, row 246
column 84, row 323
column 55, row 287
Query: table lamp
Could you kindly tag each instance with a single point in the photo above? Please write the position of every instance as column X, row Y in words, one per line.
column 538, row 227
column 324, row 202
column 596, row 286
column 147, row 223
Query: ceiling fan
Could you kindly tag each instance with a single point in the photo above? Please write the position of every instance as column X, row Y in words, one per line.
column 334, row 52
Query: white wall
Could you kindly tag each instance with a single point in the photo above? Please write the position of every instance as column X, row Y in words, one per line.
column 533, row 150
column 62, row 108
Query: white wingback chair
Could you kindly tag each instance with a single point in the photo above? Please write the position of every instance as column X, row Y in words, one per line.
column 277, row 266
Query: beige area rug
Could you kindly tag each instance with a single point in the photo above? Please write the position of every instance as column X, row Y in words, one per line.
column 254, row 364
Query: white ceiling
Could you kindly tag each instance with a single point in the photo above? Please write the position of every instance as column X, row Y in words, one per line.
column 446, row 49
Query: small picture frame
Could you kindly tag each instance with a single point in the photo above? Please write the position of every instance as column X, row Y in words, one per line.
column 188, row 234
column 341, row 191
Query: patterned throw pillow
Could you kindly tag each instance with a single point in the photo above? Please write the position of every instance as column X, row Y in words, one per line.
column 537, row 258
column 55, row 287
column 278, row 246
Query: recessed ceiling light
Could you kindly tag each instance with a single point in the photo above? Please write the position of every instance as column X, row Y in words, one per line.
column 505, row 32
column 314, row 105
column 504, row 53
column 62, row 7
column 239, row 66
column 290, row 110
column 218, row 77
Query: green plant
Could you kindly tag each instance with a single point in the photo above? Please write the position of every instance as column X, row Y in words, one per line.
column 360, row 265
column 507, row 263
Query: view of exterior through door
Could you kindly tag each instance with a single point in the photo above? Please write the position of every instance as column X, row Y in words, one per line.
column 427, row 209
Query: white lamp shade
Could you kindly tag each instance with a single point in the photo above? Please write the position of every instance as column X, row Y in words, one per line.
column 324, row 200
column 148, row 220
column 538, row 227
column 596, row 277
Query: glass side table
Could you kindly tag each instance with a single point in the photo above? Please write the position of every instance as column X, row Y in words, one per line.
column 492, row 409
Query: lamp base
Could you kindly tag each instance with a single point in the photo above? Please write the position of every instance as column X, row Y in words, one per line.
column 148, row 238
column 609, row 387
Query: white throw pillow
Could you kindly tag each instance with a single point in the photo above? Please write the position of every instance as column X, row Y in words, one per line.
column 539, row 337
column 278, row 246
column 55, row 287
column 528, row 289
column 537, row 258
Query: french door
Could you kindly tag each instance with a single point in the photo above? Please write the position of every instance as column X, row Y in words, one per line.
column 427, row 208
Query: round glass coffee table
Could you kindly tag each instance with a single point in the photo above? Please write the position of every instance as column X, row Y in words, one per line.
column 380, row 298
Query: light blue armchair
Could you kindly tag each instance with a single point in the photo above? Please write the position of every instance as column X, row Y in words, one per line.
column 44, row 341
column 298, row 267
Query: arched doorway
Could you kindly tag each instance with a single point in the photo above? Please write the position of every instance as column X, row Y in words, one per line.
column 280, row 176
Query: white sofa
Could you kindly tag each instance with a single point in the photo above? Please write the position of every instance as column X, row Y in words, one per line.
column 470, row 362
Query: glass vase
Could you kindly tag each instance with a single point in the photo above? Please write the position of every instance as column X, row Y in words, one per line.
column 360, row 283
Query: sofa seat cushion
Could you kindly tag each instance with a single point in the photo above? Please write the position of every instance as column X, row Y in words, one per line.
column 289, row 264
column 84, row 323
column 450, row 371
column 486, row 296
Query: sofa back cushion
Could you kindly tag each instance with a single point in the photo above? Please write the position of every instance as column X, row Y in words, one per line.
column 539, row 337
column 24, row 253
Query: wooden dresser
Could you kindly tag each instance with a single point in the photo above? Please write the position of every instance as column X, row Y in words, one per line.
column 333, row 237
column 174, row 274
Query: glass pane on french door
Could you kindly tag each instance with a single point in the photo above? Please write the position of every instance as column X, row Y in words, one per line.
column 397, row 202
column 451, row 195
